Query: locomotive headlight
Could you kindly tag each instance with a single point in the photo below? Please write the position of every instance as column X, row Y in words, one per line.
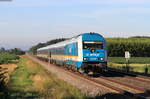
column 101, row 58
column 85, row 58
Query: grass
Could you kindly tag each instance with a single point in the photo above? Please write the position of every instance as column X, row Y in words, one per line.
column 141, row 69
column 137, row 64
column 30, row 80
column 133, row 60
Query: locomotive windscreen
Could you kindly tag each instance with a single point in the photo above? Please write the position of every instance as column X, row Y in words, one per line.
column 92, row 45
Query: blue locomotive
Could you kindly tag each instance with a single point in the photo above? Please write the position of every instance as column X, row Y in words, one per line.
column 86, row 53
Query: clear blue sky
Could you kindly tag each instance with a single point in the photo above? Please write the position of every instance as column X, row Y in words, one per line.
column 26, row 22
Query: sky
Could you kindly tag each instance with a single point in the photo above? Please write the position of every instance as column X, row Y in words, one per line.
column 24, row 23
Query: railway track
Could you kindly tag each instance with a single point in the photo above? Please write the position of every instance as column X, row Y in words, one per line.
column 118, row 87
column 138, row 81
column 115, row 86
column 143, row 78
column 122, row 85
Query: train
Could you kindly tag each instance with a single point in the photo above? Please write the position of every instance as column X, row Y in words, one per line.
column 85, row 53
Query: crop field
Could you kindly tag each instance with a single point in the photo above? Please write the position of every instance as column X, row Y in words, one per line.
column 138, row 47
column 30, row 80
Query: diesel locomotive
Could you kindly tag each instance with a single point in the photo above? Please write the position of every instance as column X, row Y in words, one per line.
column 85, row 53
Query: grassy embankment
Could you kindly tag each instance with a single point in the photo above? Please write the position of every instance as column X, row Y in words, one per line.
column 30, row 80
column 7, row 66
column 137, row 64
column 7, row 69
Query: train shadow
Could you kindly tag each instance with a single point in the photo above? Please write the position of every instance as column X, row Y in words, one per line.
column 128, row 71
column 111, row 74
column 35, row 95
column 125, row 95
column 19, row 95
column 110, row 96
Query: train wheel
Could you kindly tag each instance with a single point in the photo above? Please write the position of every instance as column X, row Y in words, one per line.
column 74, row 69
column 90, row 73
column 81, row 71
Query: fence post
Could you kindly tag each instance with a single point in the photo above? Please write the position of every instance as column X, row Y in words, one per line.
column 127, row 65
column 146, row 70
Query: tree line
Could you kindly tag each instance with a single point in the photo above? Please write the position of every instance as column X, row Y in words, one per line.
column 138, row 46
column 16, row 51
column 33, row 49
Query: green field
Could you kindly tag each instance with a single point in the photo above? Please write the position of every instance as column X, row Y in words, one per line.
column 6, row 58
column 136, row 64
column 31, row 81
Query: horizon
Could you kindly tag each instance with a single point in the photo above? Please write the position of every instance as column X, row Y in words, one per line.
column 66, row 37
column 29, row 22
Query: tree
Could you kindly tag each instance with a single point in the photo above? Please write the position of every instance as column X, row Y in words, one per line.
column 33, row 49
column 17, row 51
column 2, row 49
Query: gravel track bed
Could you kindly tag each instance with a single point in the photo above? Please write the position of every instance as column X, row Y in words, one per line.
column 133, row 82
column 87, row 87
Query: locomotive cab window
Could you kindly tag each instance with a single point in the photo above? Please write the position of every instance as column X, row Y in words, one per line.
column 92, row 45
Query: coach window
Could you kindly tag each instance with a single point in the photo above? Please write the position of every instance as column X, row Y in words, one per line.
column 76, row 47
column 49, row 53
column 70, row 50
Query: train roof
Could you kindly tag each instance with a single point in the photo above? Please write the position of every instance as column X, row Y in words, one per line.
column 87, row 34
column 63, row 43
column 59, row 44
